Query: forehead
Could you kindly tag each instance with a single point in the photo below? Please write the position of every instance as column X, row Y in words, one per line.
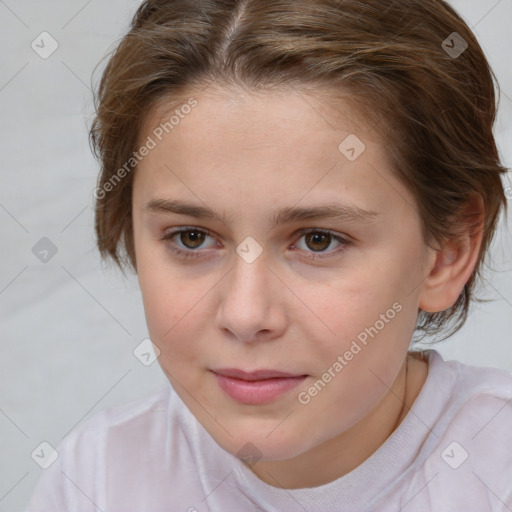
column 283, row 144
column 300, row 109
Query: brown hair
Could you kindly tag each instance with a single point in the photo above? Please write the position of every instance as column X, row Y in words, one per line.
column 434, row 106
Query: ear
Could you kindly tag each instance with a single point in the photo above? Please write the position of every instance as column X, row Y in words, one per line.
column 452, row 264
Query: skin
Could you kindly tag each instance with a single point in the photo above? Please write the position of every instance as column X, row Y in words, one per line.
column 246, row 155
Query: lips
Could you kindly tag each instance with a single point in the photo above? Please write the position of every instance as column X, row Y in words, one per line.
column 254, row 375
column 256, row 387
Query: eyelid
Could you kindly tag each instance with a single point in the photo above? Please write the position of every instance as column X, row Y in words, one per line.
column 171, row 233
column 344, row 238
column 344, row 241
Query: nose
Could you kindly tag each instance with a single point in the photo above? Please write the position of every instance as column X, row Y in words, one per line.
column 252, row 303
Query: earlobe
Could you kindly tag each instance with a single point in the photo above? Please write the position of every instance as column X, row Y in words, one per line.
column 450, row 269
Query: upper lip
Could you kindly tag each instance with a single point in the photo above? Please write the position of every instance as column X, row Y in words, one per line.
column 254, row 375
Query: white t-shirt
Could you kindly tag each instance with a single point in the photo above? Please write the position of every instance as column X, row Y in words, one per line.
column 452, row 452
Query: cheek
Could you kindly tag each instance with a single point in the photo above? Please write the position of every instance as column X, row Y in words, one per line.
column 352, row 303
column 370, row 320
column 374, row 332
column 164, row 311
column 175, row 311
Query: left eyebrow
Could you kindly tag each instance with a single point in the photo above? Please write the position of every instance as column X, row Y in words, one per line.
column 285, row 215
column 334, row 211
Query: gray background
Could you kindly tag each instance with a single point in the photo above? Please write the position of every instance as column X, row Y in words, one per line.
column 69, row 326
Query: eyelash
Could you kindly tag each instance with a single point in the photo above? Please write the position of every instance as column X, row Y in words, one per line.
column 190, row 253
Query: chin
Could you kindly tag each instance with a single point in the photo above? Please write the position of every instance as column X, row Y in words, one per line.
column 248, row 444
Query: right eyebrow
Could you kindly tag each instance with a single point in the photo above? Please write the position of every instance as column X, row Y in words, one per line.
column 182, row 208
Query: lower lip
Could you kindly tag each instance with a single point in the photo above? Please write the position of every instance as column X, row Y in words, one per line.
column 257, row 392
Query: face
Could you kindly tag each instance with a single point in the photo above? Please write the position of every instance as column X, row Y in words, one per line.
column 270, row 282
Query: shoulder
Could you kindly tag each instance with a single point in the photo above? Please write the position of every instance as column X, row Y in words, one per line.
column 134, row 411
column 464, row 382
column 102, row 452
column 480, row 394
column 140, row 455
column 481, row 407
column 473, row 396
column 142, row 417
column 468, row 455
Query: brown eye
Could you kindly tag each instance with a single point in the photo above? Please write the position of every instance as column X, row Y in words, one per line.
column 317, row 244
column 192, row 239
column 318, row 241
column 187, row 242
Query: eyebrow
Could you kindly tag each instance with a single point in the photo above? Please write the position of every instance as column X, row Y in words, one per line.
column 285, row 215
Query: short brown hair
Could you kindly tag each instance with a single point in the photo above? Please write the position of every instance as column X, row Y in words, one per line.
column 435, row 108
